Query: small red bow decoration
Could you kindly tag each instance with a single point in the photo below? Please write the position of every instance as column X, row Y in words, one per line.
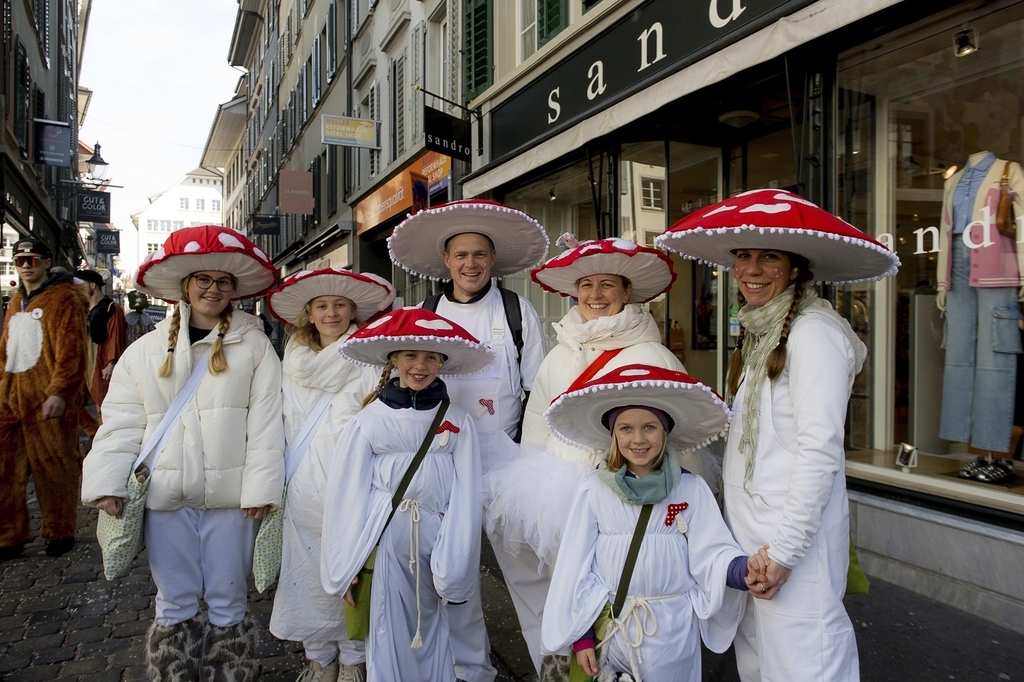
column 447, row 426
column 488, row 404
column 675, row 510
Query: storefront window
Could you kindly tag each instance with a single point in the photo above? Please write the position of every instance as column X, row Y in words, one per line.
column 923, row 138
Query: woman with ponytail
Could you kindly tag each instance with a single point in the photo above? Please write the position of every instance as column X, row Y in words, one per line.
column 322, row 391
column 789, row 380
column 221, row 467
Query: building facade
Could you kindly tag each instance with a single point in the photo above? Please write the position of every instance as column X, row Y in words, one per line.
column 39, row 67
column 609, row 118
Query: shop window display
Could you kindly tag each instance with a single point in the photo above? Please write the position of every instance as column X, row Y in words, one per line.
column 925, row 139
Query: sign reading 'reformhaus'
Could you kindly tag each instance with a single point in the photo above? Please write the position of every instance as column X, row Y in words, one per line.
column 349, row 132
column 657, row 39
column 93, row 207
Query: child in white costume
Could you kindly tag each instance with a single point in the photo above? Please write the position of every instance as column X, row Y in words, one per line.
column 323, row 307
column 222, row 467
column 680, row 587
column 429, row 554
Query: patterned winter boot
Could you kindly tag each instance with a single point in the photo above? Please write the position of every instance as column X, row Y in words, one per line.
column 230, row 654
column 174, row 653
column 554, row 669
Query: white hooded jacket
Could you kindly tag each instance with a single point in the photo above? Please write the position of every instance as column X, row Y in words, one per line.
column 227, row 449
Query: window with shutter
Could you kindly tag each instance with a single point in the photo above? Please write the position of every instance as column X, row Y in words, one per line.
column 398, row 107
column 317, row 191
column 304, row 98
column 22, row 88
column 551, row 19
column 478, row 47
column 290, row 35
column 375, row 116
column 417, row 58
column 316, row 70
column 332, row 39
column 331, row 171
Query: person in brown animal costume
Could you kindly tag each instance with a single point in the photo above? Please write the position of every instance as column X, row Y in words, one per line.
column 43, row 357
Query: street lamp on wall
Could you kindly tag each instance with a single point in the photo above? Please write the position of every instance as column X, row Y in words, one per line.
column 96, row 165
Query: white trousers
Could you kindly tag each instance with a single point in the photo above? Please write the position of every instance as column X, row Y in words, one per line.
column 528, row 589
column 346, row 651
column 200, row 554
column 467, row 636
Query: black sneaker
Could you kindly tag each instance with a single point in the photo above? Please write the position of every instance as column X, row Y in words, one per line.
column 57, row 548
column 11, row 552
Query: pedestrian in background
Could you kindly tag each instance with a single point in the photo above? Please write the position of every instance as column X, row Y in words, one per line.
column 322, row 391
column 222, row 467
column 428, row 552
column 790, row 380
column 107, row 332
column 42, row 386
column 138, row 321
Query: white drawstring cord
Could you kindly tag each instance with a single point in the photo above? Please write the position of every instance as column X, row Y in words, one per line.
column 639, row 614
column 413, row 507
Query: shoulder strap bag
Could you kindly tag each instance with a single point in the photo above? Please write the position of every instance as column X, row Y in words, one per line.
column 121, row 538
column 357, row 618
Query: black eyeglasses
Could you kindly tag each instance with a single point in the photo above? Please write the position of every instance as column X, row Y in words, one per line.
column 204, row 283
column 26, row 261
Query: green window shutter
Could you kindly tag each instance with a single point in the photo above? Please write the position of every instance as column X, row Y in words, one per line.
column 551, row 19
column 479, row 49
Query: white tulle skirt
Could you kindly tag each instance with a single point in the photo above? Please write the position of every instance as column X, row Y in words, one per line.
column 527, row 500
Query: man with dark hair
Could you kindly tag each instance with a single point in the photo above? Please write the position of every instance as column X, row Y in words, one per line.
column 107, row 329
column 139, row 322
column 42, row 383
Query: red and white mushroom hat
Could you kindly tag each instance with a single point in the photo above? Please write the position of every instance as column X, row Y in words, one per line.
column 207, row 247
column 779, row 220
column 699, row 414
column 418, row 329
column 369, row 292
column 417, row 244
column 649, row 270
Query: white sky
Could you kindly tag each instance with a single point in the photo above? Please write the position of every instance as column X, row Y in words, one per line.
column 158, row 71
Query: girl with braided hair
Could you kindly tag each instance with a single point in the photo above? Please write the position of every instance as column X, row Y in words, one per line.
column 221, row 467
column 790, row 380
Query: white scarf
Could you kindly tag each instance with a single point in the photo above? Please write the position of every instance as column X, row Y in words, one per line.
column 763, row 327
column 325, row 370
column 630, row 326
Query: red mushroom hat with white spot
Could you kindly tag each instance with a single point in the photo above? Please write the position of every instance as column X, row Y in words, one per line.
column 699, row 414
column 782, row 221
column 208, row 247
column 369, row 292
column 417, row 244
column 418, row 329
column 649, row 270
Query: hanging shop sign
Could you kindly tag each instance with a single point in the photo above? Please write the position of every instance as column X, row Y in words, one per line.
column 296, row 194
column 52, row 142
column 108, row 241
column 404, row 190
column 93, row 207
column 657, row 39
column 447, row 134
column 349, row 132
column 266, row 224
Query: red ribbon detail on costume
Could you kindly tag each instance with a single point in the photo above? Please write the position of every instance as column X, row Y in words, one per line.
column 489, row 404
column 447, row 426
column 675, row 510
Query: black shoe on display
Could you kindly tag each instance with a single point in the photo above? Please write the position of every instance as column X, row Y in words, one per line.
column 970, row 470
column 61, row 547
column 999, row 471
column 11, row 552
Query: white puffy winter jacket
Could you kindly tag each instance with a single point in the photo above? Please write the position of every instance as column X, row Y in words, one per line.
column 227, row 449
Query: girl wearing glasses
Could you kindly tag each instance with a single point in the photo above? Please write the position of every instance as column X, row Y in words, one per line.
column 221, row 468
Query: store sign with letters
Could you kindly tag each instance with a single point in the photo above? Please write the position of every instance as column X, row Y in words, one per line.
column 657, row 39
column 93, row 207
column 266, row 224
column 447, row 134
column 349, row 132
column 53, row 142
column 409, row 190
column 108, row 241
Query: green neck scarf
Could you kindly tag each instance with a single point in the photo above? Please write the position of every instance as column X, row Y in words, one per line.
column 649, row 489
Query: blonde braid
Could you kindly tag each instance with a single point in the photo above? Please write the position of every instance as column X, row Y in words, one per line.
column 777, row 358
column 385, row 376
column 172, row 340
column 732, row 381
column 219, row 363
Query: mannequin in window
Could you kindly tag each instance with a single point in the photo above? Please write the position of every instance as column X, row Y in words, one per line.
column 980, row 281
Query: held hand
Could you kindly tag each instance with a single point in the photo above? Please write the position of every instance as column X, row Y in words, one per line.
column 587, row 658
column 757, row 567
column 54, row 407
column 940, row 299
column 256, row 512
column 349, row 599
column 107, row 371
column 777, row 577
column 113, row 506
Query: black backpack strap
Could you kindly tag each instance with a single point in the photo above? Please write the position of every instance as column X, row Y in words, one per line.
column 430, row 302
column 514, row 317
